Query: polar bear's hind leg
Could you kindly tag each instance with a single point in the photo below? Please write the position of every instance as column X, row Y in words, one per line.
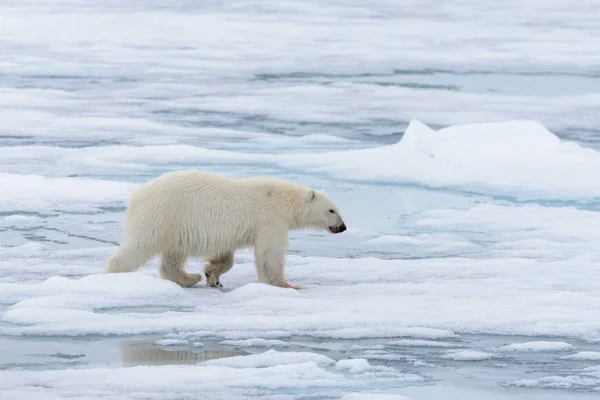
column 129, row 258
column 172, row 267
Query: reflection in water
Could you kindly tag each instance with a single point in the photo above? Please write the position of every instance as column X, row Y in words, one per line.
column 143, row 352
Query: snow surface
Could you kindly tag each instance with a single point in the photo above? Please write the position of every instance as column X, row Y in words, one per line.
column 235, row 377
column 171, row 342
column 537, row 346
column 561, row 382
column 468, row 355
column 516, row 158
column 583, row 355
column 421, row 343
column 255, row 342
column 459, row 295
column 460, row 142
column 373, row 396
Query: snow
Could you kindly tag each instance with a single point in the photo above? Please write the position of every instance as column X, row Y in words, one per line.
column 171, row 342
column 421, row 343
column 472, row 157
column 373, row 396
column 517, row 158
column 269, row 372
column 468, row 355
column 74, row 194
column 255, row 342
column 272, row 358
column 354, row 365
column 460, row 143
column 583, row 355
column 537, row 346
column 460, row 295
column 554, row 382
column 92, row 291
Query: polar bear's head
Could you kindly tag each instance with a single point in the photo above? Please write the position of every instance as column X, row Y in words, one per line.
column 321, row 212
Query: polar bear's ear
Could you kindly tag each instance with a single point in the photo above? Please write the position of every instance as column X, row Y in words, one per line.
column 322, row 190
column 311, row 195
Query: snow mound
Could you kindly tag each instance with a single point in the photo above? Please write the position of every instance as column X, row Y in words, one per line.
column 92, row 291
column 89, row 292
column 355, row 365
column 518, row 158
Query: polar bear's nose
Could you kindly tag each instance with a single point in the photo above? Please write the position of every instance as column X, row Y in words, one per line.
column 338, row 229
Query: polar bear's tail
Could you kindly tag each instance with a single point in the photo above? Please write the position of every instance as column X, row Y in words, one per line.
column 128, row 258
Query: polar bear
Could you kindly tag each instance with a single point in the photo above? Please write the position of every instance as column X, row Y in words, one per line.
column 191, row 213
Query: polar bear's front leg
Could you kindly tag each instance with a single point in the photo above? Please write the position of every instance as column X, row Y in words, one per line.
column 269, row 257
column 217, row 267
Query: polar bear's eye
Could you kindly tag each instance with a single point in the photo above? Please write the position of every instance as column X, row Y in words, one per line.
column 331, row 211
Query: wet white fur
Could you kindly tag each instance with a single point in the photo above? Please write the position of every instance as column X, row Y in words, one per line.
column 195, row 214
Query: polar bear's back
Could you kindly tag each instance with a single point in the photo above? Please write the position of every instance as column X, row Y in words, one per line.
column 206, row 215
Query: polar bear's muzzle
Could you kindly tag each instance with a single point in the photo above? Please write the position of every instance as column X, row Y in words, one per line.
column 338, row 229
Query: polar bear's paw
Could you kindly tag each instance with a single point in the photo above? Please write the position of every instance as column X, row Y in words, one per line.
column 189, row 280
column 297, row 287
column 212, row 280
